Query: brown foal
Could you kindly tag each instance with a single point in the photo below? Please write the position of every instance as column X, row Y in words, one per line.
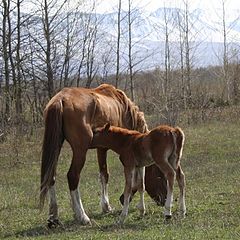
column 162, row 146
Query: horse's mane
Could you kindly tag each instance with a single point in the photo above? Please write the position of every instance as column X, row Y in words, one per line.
column 135, row 118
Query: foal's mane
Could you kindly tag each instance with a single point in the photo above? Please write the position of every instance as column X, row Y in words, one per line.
column 135, row 118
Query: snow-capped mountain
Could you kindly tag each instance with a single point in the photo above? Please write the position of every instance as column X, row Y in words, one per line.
column 149, row 29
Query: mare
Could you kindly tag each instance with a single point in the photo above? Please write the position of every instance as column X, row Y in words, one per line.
column 71, row 115
column 163, row 146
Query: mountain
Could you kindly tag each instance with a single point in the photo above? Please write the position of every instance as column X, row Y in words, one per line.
column 149, row 34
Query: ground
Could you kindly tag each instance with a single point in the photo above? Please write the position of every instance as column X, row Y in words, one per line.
column 211, row 165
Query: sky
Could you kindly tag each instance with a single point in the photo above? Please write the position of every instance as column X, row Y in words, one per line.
column 213, row 7
column 104, row 6
column 150, row 5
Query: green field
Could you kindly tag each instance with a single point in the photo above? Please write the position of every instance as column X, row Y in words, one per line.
column 211, row 165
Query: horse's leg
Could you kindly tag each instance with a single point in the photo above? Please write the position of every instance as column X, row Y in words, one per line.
column 53, row 207
column 102, row 162
column 169, row 173
column 141, row 189
column 79, row 148
column 181, row 183
column 128, row 172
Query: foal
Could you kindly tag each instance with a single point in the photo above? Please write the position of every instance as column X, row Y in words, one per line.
column 162, row 146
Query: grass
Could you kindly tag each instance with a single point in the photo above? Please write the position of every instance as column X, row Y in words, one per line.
column 211, row 165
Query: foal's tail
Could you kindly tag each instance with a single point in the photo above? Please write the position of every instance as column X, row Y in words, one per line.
column 52, row 143
column 180, row 138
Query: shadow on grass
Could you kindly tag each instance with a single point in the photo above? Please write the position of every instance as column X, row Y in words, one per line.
column 74, row 226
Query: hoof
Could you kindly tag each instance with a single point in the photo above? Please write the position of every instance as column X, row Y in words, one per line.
column 183, row 214
column 106, row 209
column 53, row 223
column 141, row 209
column 168, row 217
column 142, row 213
column 84, row 221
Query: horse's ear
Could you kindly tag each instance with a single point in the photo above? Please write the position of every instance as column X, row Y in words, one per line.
column 107, row 126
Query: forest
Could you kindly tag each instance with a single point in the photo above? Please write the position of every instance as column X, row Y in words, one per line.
column 59, row 44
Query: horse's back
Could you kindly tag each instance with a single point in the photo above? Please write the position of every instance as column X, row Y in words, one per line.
column 94, row 106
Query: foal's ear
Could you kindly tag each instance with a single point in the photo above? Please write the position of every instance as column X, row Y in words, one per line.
column 107, row 126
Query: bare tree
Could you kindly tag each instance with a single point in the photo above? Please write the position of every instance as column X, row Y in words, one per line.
column 5, row 40
column 187, row 53
column 84, row 32
column 225, row 54
column 47, row 41
column 91, row 45
column 66, row 62
column 72, row 28
column 18, row 85
column 118, row 42
column 167, row 63
column 87, row 43
column 130, row 64
column 181, row 51
column 48, row 50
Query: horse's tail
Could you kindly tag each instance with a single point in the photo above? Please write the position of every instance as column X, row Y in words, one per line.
column 52, row 143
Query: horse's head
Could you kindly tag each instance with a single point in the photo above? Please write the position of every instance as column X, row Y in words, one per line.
column 156, row 184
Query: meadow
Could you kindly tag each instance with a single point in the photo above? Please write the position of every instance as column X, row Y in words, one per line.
column 210, row 162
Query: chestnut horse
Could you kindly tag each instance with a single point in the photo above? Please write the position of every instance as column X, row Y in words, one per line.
column 162, row 146
column 72, row 114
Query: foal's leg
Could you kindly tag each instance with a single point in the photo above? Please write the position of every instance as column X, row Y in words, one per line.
column 102, row 162
column 181, row 183
column 169, row 173
column 127, row 193
column 141, row 189
column 79, row 148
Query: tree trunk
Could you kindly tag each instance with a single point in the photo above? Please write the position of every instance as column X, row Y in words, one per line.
column 118, row 43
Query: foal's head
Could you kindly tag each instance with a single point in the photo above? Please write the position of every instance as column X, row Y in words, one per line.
column 99, row 135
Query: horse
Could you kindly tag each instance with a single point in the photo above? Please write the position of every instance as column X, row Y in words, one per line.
column 163, row 146
column 71, row 115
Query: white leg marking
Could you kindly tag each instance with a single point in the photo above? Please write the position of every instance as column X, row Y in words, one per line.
column 78, row 209
column 182, row 205
column 53, row 208
column 104, row 196
column 168, row 204
column 181, row 184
